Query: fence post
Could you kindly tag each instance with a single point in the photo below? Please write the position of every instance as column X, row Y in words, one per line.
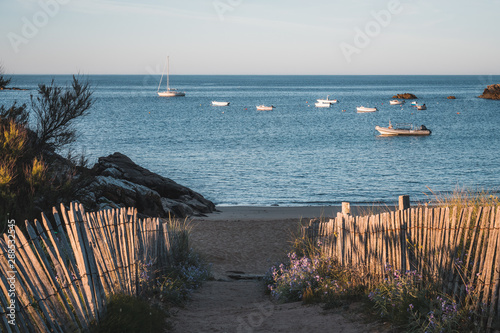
column 346, row 208
column 404, row 202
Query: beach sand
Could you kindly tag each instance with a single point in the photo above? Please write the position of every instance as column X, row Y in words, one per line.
column 249, row 240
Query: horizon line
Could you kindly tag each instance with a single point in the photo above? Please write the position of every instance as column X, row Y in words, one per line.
column 129, row 74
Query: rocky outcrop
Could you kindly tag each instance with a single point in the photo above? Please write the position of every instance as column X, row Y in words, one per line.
column 451, row 97
column 405, row 96
column 12, row 88
column 491, row 92
column 117, row 181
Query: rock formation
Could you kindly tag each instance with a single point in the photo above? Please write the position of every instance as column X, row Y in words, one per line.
column 405, row 96
column 116, row 181
column 491, row 92
column 451, row 97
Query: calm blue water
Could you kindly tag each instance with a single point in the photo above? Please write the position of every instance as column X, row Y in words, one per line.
column 296, row 154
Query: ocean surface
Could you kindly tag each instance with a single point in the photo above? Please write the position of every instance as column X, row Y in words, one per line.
column 296, row 154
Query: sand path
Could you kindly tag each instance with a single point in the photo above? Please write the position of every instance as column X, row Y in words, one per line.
column 250, row 241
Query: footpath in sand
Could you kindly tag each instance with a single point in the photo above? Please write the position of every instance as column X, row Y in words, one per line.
column 249, row 240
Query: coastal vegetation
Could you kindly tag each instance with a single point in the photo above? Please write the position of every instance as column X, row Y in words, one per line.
column 3, row 80
column 410, row 300
column 32, row 175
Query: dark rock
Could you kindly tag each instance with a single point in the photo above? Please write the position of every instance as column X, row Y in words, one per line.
column 491, row 92
column 451, row 97
column 118, row 181
column 405, row 96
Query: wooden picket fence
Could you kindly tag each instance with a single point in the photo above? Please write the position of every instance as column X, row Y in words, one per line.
column 458, row 249
column 62, row 275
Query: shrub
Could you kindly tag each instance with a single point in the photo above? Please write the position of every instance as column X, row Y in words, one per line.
column 31, row 176
column 3, row 80
column 126, row 313
column 312, row 280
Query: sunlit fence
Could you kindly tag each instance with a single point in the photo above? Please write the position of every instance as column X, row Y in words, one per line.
column 56, row 276
column 458, row 249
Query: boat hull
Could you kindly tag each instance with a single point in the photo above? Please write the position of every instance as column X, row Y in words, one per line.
column 220, row 103
column 171, row 93
column 322, row 105
column 386, row 131
column 362, row 109
column 264, row 108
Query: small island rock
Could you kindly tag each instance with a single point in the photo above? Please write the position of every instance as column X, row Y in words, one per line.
column 451, row 97
column 491, row 92
column 405, row 96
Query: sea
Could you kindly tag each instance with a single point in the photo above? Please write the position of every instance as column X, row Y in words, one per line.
column 297, row 154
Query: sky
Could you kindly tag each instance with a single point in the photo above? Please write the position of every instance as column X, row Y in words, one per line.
column 218, row 37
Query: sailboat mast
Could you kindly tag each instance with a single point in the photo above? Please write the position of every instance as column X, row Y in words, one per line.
column 168, row 71
column 162, row 75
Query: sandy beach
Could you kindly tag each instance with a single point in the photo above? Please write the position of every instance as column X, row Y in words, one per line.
column 249, row 240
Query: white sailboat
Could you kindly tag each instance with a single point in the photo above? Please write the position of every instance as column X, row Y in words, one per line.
column 170, row 92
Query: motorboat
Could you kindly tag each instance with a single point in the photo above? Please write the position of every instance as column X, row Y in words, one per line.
column 322, row 105
column 214, row 103
column 403, row 130
column 396, row 102
column 265, row 108
column 327, row 100
column 170, row 92
column 421, row 107
column 365, row 109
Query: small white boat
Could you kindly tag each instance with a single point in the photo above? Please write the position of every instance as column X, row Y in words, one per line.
column 322, row 105
column 403, row 130
column 421, row 107
column 214, row 103
column 170, row 92
column 365, row 109
column 265, row 108
column 414, row 103
column 327, row 100
column 396, row 102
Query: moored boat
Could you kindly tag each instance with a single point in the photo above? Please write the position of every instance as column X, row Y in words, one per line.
column 265, row 108
column 327, row 100
column 403, row 130
column 322, row 105
column 396, row 102
column 214, row 103
column 421, row 107
column 365, row 109
column 170, row 92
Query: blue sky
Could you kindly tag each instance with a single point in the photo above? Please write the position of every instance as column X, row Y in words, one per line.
column 250, row 37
